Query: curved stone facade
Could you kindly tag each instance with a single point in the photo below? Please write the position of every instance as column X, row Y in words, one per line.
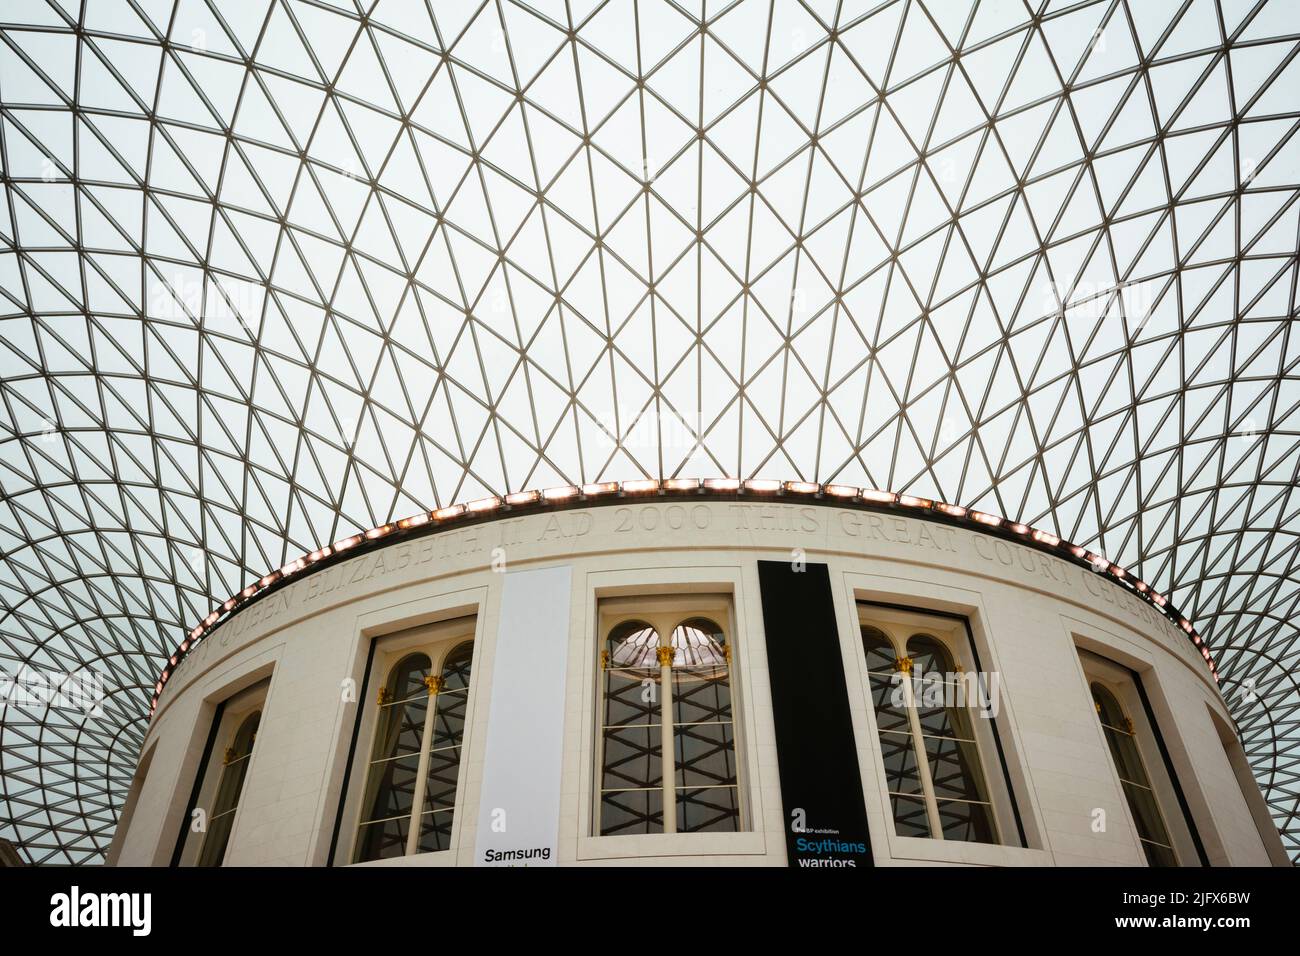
column 1038, row 627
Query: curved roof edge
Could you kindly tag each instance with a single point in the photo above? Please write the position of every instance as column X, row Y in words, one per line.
column 568, row 496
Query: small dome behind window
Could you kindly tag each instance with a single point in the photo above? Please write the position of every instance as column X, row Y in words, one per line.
column 633, row 644
column 698, row 642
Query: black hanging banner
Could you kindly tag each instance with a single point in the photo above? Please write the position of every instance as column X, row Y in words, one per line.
column 821, row 785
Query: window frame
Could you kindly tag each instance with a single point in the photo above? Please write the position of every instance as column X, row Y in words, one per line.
column 900, row 624
column 230, row 717
column 1122, row 684
column 664, row 614
column 438, row 641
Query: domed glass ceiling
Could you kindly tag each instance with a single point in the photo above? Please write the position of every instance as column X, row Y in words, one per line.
column 276, row 271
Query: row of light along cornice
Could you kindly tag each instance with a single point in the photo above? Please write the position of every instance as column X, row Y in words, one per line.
column 715, row 488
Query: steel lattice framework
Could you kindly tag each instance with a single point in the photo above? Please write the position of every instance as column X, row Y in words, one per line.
column 277, row 270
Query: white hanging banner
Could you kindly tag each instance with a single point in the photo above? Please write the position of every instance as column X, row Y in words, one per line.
column 519, row 807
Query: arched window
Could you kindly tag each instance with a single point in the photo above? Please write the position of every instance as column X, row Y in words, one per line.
column 1142, row 803
column 444, row 751
column 705, row 796
column 668, row 742
column 416, row 757
column 631, row 786
column 894, row 727
column 933, row 772
column 233, row 772
column 951, row 753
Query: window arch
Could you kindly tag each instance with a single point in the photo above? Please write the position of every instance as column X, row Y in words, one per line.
column 668, row 741
column 235, row 769
column 409, row 799
column 1121, row 738
column 934, row 776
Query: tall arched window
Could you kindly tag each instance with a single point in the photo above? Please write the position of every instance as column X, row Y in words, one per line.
column 444, row 751
column 705, row 793
column 951, row 753
column 235, row 768
column 208, row 830
column 1142, row 803
column 415, row 760
column 631, row 787
column 934, row 776
column 894, row 727
column 668, row 740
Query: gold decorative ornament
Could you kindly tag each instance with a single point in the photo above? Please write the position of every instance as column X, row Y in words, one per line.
column 604, row 660
column 665, row 655
column 384, row 696
column 903, row 664
column 434, row 684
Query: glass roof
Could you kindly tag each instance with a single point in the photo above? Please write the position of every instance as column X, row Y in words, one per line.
column 272, row 272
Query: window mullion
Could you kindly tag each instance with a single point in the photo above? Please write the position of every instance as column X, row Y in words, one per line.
column 667, row 761
column 434, row 684
column 904, row 666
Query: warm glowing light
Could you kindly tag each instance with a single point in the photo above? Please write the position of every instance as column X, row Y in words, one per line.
column 646, row 485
